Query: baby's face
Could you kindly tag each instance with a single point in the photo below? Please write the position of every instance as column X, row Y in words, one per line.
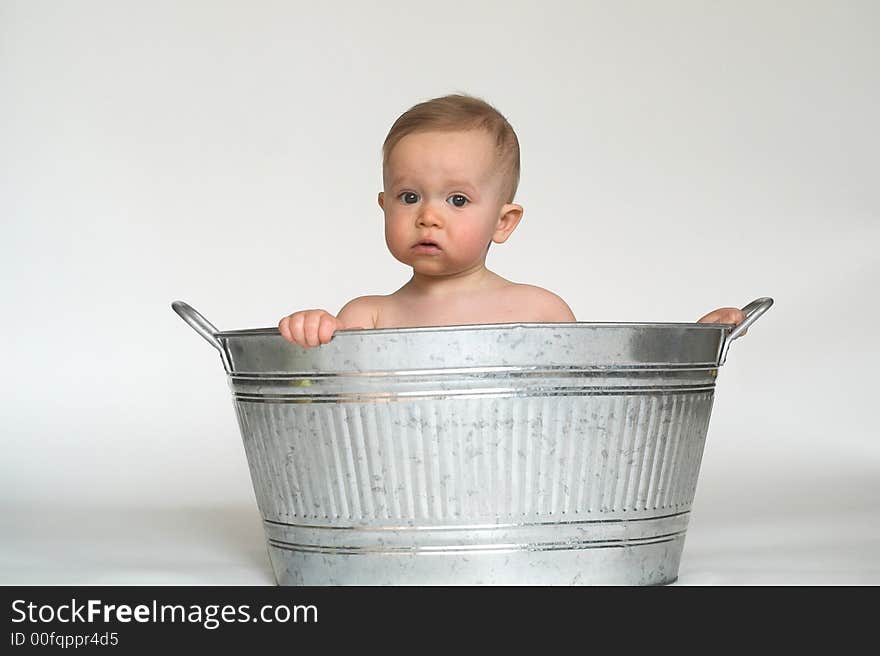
column 443, row 187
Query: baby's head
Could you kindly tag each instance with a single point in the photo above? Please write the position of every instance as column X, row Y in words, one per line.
column 450, row 173
column 461, row 113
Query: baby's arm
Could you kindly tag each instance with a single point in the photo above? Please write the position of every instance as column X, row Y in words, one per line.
column 548, row 307
column 314, row 327
column 361, row 312
column 557, row 310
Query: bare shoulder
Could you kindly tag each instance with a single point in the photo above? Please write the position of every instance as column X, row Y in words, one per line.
column 360, row 312
column 548, row 306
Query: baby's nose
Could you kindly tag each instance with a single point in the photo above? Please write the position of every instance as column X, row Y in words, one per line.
column 428, row 217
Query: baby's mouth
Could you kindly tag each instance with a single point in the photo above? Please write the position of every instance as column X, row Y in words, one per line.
column 426, row 246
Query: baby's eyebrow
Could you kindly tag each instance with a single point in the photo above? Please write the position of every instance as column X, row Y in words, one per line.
column 460, row 184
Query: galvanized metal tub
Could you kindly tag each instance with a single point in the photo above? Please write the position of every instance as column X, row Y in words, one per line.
column 564, row 453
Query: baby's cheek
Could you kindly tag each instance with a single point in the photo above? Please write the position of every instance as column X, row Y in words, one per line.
column 392, row 233
column 473, row 240
column 394, row 238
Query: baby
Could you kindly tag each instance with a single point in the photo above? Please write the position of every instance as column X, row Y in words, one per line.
column 450, row 170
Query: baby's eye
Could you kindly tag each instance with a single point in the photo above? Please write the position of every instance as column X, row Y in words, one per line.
column 409, row 197
column 458, row 200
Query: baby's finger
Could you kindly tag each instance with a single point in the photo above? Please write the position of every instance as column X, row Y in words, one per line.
column 310, row 327
column 284, row 329
column 296, row 328
column 326, row 328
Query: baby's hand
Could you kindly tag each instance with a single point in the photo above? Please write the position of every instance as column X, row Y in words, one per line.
column 309, row 327
column 725, row 315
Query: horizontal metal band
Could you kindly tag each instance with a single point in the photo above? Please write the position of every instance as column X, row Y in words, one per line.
column 511, row 392
column 568, row 545
column 507, row 371
column 480, row 527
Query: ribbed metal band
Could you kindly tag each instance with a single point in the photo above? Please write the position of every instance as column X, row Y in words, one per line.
column 476, row 460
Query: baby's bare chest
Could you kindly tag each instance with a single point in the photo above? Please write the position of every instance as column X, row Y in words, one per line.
column 503, row 307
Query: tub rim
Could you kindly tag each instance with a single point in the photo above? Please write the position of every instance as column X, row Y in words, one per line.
column 486, row 326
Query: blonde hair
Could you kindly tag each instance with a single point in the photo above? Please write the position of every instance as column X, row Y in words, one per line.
column 461, row 112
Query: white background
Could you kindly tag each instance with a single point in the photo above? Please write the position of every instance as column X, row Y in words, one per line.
column 676, row 157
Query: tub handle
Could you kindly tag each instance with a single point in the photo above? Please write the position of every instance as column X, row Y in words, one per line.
column 752, row 311
column 198, row 323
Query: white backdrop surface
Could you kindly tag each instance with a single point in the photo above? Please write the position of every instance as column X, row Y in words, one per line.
column 677, row 157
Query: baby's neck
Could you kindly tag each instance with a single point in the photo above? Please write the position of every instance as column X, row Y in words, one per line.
column 472, row 280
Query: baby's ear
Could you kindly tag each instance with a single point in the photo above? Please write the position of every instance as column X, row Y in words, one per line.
column 381, row 199
column 511, row 214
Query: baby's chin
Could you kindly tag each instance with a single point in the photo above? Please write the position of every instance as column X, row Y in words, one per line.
column 432, row 268
column 440, row 264
column 423, row 264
